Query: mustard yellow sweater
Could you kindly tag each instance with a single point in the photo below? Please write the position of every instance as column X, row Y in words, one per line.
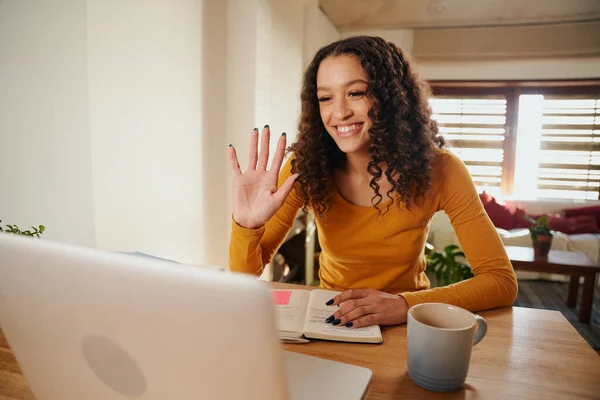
column 360, row 250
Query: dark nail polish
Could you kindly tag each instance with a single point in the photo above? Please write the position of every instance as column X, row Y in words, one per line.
column 230, row 145
column 336, row 322
column 329, row 319
column 330, row 302
column 256, row 129
column 349, row 324
column 283, row 134
column 267, row 126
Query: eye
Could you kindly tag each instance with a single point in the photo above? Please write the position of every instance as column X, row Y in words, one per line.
column 356, row 94
column 324, row 99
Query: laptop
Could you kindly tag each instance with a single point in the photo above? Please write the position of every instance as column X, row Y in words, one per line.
column 90, row 324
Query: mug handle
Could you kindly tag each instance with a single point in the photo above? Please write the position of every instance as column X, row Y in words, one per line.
column 481, row 329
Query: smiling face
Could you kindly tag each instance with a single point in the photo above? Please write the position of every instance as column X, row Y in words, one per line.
column 343, row 103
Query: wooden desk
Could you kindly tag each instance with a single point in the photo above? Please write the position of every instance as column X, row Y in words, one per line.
column 569, row 263
column 527, row 354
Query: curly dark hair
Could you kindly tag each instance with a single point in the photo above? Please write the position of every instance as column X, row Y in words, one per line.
column 403, row 135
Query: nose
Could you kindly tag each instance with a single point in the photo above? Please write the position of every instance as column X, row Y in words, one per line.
column 342, row 109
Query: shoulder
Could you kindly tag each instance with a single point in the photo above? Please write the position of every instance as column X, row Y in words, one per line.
column 449, row 171
column 444, row 159
column 445, row 164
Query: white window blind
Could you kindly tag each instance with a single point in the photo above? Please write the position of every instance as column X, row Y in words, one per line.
column 475, row 128
column 569, row 160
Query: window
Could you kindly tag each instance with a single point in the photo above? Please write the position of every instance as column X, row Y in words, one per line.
column 524, row 140
column 569, row 160
column 474, row 129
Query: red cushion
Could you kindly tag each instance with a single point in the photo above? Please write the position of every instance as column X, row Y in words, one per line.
column 573, row 225
column 485, row 198
column 587, row 210
column 500, row 215
column 520, row 221
column 579, row 211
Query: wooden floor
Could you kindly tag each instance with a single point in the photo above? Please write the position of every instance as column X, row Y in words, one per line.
column 552, row 296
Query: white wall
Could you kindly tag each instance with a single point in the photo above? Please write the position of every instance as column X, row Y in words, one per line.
column 119, row 117
column 286, row 68
column 145, row 70
column 45, row 170
column 267, row 46
column 216, row 203
column 318, row 30
column 266, row 38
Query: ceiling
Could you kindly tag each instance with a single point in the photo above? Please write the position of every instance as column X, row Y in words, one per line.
column 349, row 15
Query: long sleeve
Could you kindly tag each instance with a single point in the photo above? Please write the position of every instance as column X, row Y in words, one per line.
column 251, row 249
column 494, row 283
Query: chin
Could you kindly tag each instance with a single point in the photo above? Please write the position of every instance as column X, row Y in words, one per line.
column 352, row 145
column 355, row 143
column 350, row 148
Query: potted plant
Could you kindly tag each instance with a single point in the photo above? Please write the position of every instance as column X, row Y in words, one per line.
column 29, row 232
column 541, row 236
column 447, row 267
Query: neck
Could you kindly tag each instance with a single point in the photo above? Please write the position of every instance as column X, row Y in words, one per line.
column 357, row 163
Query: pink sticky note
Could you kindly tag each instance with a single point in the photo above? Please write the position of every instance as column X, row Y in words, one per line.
column 281, row 297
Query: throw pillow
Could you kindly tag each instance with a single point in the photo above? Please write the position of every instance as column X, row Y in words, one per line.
column 500, row 215
column 586, row 210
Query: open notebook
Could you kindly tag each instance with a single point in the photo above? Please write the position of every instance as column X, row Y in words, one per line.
column 302, row 313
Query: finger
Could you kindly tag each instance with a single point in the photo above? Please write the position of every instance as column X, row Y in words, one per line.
column 366, row 320
column 349, row 305
column 279, row 154
column 263, row 156
column 253, row 150
column 347, row 295
column 355, row 314
column 235, row 165
column 284, row 190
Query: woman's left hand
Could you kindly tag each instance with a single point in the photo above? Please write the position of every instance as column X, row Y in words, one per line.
column 364, row 307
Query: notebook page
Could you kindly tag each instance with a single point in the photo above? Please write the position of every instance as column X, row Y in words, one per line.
column 290, row 311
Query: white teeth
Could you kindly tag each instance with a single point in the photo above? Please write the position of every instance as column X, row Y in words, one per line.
column 347, row 128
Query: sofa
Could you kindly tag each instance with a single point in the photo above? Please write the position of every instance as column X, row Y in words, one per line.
column 578, row 225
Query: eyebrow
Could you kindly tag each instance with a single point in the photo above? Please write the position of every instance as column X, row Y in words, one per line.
column 346, row 84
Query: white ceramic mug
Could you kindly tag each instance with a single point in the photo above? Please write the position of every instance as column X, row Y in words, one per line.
column 440, row 339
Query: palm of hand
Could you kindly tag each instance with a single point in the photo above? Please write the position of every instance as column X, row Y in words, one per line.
column 255, row 195
column 253, row 200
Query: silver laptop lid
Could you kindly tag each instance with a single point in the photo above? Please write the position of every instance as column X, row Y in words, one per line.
column 89, row 324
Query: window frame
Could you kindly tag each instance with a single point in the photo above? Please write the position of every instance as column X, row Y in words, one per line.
column 511, row 90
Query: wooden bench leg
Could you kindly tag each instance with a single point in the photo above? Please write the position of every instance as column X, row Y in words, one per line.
column 587, row 297
column 573, row 291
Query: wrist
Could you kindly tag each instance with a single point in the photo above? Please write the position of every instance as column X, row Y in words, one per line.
column 405, row 304
column 242, row 223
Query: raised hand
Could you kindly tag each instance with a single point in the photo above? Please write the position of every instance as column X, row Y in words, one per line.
column 255, row 195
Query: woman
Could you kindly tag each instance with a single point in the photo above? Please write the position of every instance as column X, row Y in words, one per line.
column 369, row 165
